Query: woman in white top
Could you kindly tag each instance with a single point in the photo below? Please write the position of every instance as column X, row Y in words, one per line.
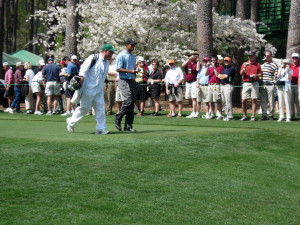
column 29, row 100
column 284, row 90
column 36, row 86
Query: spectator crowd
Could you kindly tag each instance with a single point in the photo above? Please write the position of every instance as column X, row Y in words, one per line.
column 204, row 82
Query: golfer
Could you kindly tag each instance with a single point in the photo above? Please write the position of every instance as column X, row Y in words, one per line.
column 93, row 73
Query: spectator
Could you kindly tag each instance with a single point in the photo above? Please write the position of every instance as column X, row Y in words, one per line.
column 37, row 88
column 214, row 91
column 110, row 89
column 269, row 71
column 202, row 85
column 226, row 80
column 9, row 81
column 18, row 78
column 284, row 90
column 141, row 88
column 173, row 79
column 295, row 81
column 154, row 81
column 52, row 84
column 251, row 71
column 71, row 71
column 29, row 100
column 190, row 76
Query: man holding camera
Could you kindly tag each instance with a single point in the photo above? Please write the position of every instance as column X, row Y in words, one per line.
column 190, row 75
column 250, row 71
column 125, row 66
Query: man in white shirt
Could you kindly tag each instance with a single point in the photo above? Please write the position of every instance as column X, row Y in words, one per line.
column 93, row 73
column 173, row 79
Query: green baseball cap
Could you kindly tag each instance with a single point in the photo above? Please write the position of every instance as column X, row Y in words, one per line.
column 108, row 47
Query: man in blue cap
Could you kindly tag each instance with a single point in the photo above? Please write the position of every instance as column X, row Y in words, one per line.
column 92, row 73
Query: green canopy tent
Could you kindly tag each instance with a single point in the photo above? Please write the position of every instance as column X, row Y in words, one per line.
column 27, row 56
column 11, row 60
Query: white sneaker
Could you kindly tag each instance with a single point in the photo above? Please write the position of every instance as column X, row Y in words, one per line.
column 38, row 113
column 252, row 118
column 211, row 117
column 67, row 113
column 6, row 110
column 196, row 115
column 102, row 132
column 49, row 113
column 70, row 128
column 227, row 119
column 244, row 118
column 280, row 119
column 288, row 120
column 192, row 115
column 220, row 117
column 10, row 110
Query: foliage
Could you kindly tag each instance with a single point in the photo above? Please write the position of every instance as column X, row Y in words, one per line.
column 162, row 28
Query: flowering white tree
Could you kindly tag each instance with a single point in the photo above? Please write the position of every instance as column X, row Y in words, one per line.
column 162, row 28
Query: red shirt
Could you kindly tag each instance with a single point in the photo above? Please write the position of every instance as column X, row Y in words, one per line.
column 253, row 68
column 211, row 73
column 190, row 72
column 295, row 73
column 18, row 76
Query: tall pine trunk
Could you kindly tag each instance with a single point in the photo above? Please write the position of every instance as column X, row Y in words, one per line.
column 71, row 28
column 293, row 42
column 31, row 30
column 1, row 33
column 204, row 28
column 15, row 25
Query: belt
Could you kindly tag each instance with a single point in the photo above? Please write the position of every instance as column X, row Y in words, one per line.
column 203, row 84
column 226, row 84
column 213, row 84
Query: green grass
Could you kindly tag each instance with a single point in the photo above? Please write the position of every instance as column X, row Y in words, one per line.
column 172, row 171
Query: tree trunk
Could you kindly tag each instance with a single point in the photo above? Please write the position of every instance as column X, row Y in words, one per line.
column 254, row 10
column 216, row 5
column 51, row 39
column 2, row 3
column 31, row 30
column 71, row 28
column 15, row 25
column 237, row 54
column 293, row 42
column 5, row 27
column 204, row 28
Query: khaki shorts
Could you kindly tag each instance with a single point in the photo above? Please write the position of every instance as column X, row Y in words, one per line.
column 119, row 97
column 214, row 93
column 178, row 98
column 191, row 90
column 202, row 93
column 36, row 87
column 52, row 88
column 250, row 90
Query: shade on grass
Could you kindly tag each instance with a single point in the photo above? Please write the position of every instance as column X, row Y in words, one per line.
column 172, row 171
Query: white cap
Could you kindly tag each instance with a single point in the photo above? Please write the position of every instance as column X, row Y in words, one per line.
column 295, row 55
column 287, row 61
column 19, row 64
column 5, row 64
column 140, row 59
column 42, row 62
column 74, row 57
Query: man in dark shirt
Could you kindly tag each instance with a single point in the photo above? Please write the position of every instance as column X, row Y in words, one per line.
column 51, row 83
column 226, row 80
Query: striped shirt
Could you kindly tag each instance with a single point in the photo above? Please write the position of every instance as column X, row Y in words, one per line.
column 269, row 71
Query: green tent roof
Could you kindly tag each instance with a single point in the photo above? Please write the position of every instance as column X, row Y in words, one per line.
column 11, row 60
column 26, row 56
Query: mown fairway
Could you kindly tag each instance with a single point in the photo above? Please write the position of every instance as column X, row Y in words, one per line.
column 173, row 171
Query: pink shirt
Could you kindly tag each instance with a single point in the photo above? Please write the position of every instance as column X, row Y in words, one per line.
column 9, row 77
column 18, row 77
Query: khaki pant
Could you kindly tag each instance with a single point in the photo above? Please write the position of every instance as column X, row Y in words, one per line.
column 295, row 107
column 226, row 92
column 284, row 99
column 267, row 96
column 110, row 95
column 29, row 100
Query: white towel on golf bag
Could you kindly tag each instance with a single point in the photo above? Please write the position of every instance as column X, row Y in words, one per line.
column 77, row 96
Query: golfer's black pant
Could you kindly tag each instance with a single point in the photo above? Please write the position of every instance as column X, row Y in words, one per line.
column 127, row 89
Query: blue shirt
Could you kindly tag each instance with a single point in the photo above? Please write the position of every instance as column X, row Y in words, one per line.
column 230, row 71
column 72, row 69
column 51, row 72
column 126, row 60
column 203, row 79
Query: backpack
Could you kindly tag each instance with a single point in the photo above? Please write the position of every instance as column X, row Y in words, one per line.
column 94, row 60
